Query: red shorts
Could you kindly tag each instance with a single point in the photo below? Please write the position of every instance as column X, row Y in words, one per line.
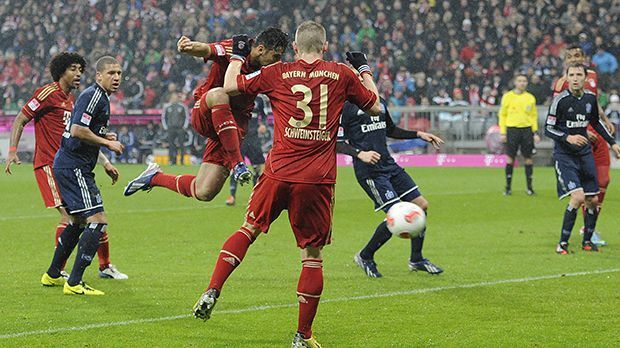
column 48, row 187
column 602, row 173
column 203, row 124
column 600, row 150
column 310, row 209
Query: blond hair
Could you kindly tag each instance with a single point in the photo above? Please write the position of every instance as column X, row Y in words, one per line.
column 310, row 37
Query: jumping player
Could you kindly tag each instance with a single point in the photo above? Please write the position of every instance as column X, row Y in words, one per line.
column 50, row 107
column 300, row 171
column 73, row 168
column 224, row 124
column 575, row 55
column 569, row 116
column 384, row 181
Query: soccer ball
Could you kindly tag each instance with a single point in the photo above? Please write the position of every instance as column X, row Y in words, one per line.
column 406, row 220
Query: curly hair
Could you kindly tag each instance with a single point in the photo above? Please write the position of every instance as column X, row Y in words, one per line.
column 62, row 61
column 272, row 38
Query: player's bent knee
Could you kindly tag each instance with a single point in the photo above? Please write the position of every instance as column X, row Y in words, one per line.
column 216, row 96
column 577, row 199
column 255, row 231
column 591, row 201
column 421, row 202
column 312, row 253
column 99, row 218
column 204, row 196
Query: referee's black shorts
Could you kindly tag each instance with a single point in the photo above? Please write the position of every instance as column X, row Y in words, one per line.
column 522, row 138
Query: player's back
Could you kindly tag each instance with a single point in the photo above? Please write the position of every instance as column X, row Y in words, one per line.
column 307, row 100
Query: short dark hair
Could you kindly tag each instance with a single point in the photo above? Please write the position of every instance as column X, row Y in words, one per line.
column 521, row 74
column 272, row 38
column 577, row 65
column 62, row 61
column 103, row 61
column 574, row 46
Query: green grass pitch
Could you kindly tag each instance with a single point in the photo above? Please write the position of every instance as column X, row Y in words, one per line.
column 502, row 286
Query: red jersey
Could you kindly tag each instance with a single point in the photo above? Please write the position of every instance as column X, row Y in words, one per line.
column 241, row 105
column 307, row 101
column 50, row 107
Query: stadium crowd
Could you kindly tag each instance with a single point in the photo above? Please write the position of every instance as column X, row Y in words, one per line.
column 423, row 52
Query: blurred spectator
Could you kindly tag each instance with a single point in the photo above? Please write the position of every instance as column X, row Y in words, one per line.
column 148, row 140
column 613, row 111
column 174, row 120
column 128, row 139
column 605, row 62
column 435, row 39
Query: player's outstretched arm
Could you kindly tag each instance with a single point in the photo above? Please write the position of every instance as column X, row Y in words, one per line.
column 193, row 48
column 16, row 134
column 86, row 135
column 359, row 61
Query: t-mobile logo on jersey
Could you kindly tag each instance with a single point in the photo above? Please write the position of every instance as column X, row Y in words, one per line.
column 580, row 123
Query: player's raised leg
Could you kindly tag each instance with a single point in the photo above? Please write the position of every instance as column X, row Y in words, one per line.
column 228, row 133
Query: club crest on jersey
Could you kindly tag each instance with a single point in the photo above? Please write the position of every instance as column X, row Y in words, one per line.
column 86, row 118
column 588, row 108
column 220, row 50
column 34, row 105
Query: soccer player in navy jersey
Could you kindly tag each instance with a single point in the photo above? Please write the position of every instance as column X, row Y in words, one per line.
column 385, row 182
column 73, row 169
column 569, row 116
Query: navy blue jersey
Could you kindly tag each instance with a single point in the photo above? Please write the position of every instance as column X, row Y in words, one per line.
column 92, row 110
column 570, row 115
column 367, row 133
column 258, row 116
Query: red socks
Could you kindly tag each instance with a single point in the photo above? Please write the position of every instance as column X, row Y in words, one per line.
column 182, row 184
column 232, row 253
column 103, row 252
column 227, row 132
column 309, row 291
column 61, row 227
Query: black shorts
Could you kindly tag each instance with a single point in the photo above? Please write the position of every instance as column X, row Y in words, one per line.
column 388, row 189
column 519, row 138
column 80, row 195
column 252, row 149
column 575, row 173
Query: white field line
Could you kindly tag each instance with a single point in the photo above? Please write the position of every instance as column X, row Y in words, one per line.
column 289, row 305
column 208, row 206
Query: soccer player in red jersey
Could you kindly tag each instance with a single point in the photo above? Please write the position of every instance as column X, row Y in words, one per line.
column 223, row 123
column 600, row 148
column 50, row 107
column 307, row 97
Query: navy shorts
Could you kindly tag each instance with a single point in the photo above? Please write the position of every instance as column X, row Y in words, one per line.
column 80, row 195
column 390, row 188
column 575, row 173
